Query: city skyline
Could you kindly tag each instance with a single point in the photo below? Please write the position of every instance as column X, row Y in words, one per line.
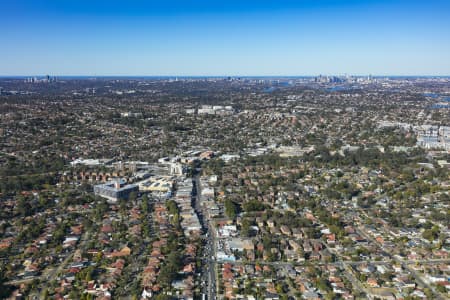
column 264, row 38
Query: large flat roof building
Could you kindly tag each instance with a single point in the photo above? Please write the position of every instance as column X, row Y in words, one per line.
column 115, row 190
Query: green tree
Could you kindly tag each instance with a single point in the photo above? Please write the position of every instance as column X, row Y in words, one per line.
column 5, row 291
column 230, row 209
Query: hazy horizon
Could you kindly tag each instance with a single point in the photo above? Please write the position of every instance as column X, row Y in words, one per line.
column 69, row 76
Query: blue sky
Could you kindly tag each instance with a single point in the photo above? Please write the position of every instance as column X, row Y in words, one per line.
column 233, row 37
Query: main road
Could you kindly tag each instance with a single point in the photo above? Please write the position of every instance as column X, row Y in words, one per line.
column 208, row 269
